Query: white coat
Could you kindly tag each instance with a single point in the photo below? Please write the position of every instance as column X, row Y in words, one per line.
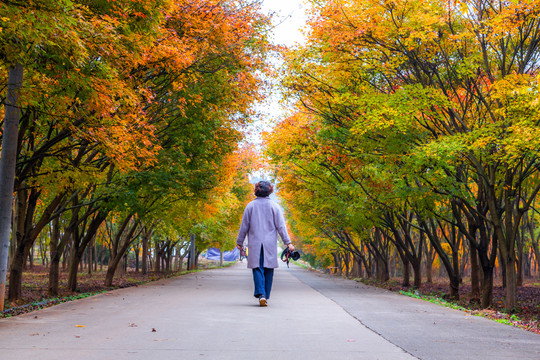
column 262, row 222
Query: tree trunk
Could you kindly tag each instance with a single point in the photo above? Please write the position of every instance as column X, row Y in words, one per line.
column 487, row 287
column 454, row 287
column 31, row 257
column 180, row 258
column 417, row 268
column 511, row 287
column 406, row 273
column 527, row 264
column 18, row 258
column 429, row 271
column 382, row 270
column 474, row 272
column 76, row 257
column 346, row 261
column 450, row 265
column 536, row 256
column 89, row 258
column 519, row 260
column 120, row 270
column 8, row 160
column 355, row 272
column 192, row 261
column 339, row 264
column 16, row 273
column 136, row 251
column 157, row 258
column 502, row 268
column 430, row 257
column 101, row 253
column 120, row 254
column 55, row 258
column 78, row 252
column 144, row 260
column 66, row 254
column 167, row 258
column 220, row 257
column 455, row 277
column 26, row 237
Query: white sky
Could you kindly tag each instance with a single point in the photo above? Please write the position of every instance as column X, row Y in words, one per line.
column 288, row 19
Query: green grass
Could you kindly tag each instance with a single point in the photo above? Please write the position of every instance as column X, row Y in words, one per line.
column 301, row 264
column 433, row 299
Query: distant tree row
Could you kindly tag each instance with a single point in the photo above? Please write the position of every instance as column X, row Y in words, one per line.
column 124, row 118
column 416, row 136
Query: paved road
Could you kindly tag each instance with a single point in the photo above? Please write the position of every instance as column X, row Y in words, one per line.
column 212, row 315
column 423, row 329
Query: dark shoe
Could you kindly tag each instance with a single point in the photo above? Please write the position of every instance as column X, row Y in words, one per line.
column 262, row 301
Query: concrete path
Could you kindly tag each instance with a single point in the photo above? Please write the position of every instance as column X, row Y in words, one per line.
column 423, row 329
column 212, row 315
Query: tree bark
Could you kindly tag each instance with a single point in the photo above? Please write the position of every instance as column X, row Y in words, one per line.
column 519, row 259
column 474, row 272
column 157, row 267
column 78, row 252
column 60, row 246
column 144, row 260
column 55, row 258
column 487, row 287
column 406, row 273
column 8, row 160
column 417, row 268
column 120, row 254
column 430, row 257
column 136, row 251
column 27, row 238
column 89, row 257
column 356, row 267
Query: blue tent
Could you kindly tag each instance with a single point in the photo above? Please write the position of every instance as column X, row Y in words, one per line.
column 214, row 254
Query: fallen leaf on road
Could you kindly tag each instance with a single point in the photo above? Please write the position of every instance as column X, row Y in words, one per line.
column 161, row 339
column 132, row 325
column 79, row 325
column 77, row 336
column 154, row 330
column 34, row 334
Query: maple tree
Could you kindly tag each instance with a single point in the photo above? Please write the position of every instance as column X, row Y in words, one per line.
column 422, row 122
column 128, row 108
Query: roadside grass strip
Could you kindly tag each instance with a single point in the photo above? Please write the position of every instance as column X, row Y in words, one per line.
column 498, row 316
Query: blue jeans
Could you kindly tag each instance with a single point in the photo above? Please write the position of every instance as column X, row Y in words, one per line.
column 262, row 279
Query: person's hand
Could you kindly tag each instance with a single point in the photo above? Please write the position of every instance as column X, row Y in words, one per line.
column 291, row 247
column 239, row 247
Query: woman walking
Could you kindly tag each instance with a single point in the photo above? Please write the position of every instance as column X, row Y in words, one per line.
column 262, row 222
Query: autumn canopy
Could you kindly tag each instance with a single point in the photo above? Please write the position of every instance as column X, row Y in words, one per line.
column 127, row 128
column 411, row 145
column 414, row 140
